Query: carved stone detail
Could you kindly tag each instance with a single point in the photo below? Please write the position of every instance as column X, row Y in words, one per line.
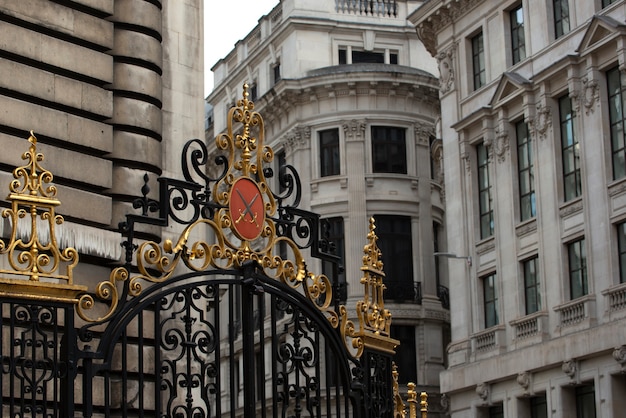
column 619, row 354
column 542, row 121
column 445, row 61
column 591, row 94
column 354, row 130
column 423, row 132
column 501, row 144
column 570, row 367
column 523, row 379
column 298, row 138
column 482, row 390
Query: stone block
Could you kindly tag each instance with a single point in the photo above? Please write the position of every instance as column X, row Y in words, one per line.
column 138, row 114
column 130, row 146
column 137, row 79
column 140, row 13
column 138, row 46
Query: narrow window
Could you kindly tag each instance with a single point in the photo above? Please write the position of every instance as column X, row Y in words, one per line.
column 606, row 3
column 276, row 73
column 585, row 401
column 329, row 152
column 484, row 193
column 570, row 150
column 253, row 91
column 616, row 87
column 621, row 248
column 518, row 40
column 343, row 56
column 395, row 243
column 577, row 269
column 478, row 61
column 561, row 17
column 538, row 406
column 531, row 286
column 490, row 300
column 405, row 353
column 333, row 232
column 389, row 149
column 526, row 174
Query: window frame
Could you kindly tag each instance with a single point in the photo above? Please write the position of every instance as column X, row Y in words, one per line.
column 395, row 241
column 485, row 194
column 621, row 250
column 518, row 43
column 577, row 272
column 490, row 300
column 536, row 402
column 532, row 285
column 570, row 150
column 582, row 394
column 336, row 235
column 395, row 163
column 525, row 172
column 479, row 65
column 329, row 152
column 562, row 25
column 617, row 123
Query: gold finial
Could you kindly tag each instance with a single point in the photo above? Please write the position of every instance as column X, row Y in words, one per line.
column 35, row 254
column 424, row 404
column 399, row 411
column 412, row 400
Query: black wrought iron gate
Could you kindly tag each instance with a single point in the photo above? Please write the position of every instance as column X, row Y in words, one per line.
column 229, row 325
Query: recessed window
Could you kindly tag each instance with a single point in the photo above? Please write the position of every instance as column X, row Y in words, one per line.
column 253, row 91
column 395, row 243
column 561, row 17
column 577, row 258
column 389, row 149
column 478, row 61
column 532, row 293
column 518, row 39
column 329, row 152
column 538, row 406
column 334, row 233
column 405, row 357
column 606, row 3
column 496, row 411
column 616, row 87
column 485, row 207
column 526, row 172
column 490, row 300
column 276, row 76
column 570, row 150
column 621, row 248
column 585, row 401
column 355, row 56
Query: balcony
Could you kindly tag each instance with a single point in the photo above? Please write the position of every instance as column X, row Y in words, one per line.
column 615, row 301
column 577, row 314
column 489, row 342
column 403, row 291
column 378, row 8
column 530, row 329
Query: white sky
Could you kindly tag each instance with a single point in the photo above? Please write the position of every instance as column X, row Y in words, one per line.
column 225, row 23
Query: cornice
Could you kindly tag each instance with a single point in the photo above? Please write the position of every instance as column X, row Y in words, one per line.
column 434, row 20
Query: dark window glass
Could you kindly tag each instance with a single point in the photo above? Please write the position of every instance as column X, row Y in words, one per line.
column 538, row 406
column 342, row 56
column 621, row 247
column 616, row 86
column 393, row 58
column 405, row 357
column 276, row 73
column 531, row 285
column 496, row 411
column 526, row 172
column 561, row 17
column 585, row 401
column 570, row 150
column 606, row 3
column 484, row 193
column 388, row 149
column 329, row 152
column 577, row 269
column 335, row 235
column 478, row 61
column 368, row 57
column 518, row 41
column 490, row 300
column 395, row 244
column 253, row 92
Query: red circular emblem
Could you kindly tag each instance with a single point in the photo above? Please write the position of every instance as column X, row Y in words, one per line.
column 246, row 209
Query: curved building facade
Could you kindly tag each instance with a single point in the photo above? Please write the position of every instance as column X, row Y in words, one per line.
column 349, row 99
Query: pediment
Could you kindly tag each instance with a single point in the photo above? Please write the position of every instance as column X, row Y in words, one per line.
column 600, row 29
column 511, row 85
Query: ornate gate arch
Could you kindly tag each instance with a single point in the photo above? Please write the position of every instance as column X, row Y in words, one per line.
column 229, row 323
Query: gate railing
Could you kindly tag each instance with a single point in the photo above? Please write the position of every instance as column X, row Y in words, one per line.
column 42, row 350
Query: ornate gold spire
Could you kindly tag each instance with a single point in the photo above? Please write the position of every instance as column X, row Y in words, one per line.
column 40, row 270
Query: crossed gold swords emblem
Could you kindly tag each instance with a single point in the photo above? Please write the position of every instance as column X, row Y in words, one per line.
column 248, row 210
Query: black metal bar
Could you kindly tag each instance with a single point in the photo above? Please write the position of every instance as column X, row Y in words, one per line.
column 247, row 302
column 231, row 353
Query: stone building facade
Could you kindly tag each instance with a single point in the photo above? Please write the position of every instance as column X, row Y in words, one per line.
column 348, row 96
column 532, row 97
column 111, row 90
